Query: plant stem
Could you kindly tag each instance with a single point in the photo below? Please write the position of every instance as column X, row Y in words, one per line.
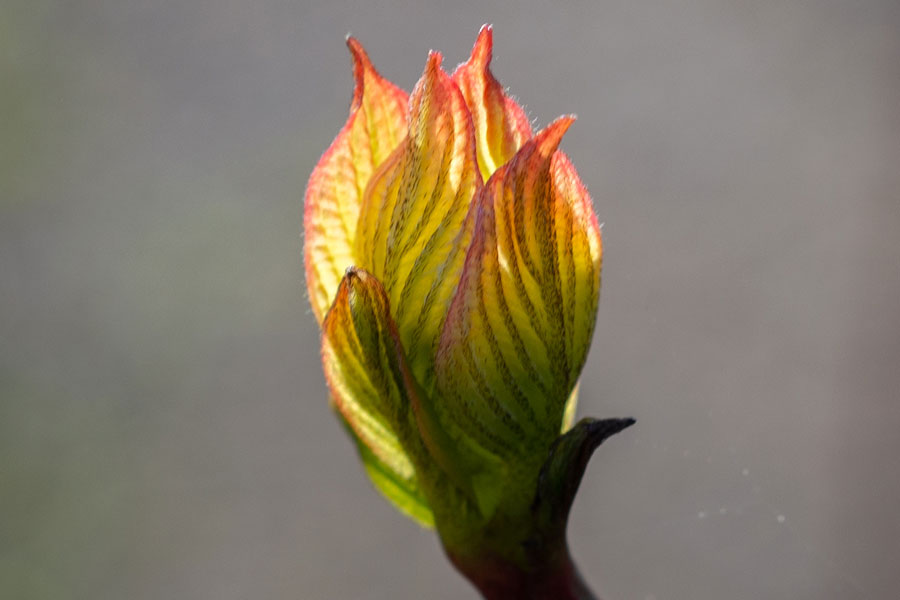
column 497, row 581
column 537, row 565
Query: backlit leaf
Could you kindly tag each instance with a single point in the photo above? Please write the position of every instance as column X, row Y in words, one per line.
column 521, row 321
column 376, row 125
column 368, row 377
column 411, row 233
column 501, row 126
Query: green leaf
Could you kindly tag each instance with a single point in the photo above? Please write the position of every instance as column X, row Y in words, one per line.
column 520, row 324
column 413, row 232
column 371, row 389
column 402, row 492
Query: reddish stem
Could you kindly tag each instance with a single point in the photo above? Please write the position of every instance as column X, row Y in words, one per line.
column 559, row 580
column 528, row 558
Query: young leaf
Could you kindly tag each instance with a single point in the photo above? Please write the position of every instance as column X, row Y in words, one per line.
column 368, row 377
column 376, row 125
column 501, row 126
column 521, row 321
column 411, row 233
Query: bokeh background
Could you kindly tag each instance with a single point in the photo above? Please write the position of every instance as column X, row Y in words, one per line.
column 164, row 431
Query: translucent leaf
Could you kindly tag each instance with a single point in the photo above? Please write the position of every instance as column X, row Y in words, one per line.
column 371, row 389
column 521, row 321
column 375, row 127
column 501, row 126
column 403, row 492
column 412, row 232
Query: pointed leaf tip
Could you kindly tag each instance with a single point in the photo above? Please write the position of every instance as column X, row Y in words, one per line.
column 484, row 46
column 600, row 430
column 501, row 125
column 432, row 77
column 548, row 140
column 435, row 58
column 367, row 374
column 352, row 272
column 356, row 48
column 361, row 64
column 375, row 126
column 565, row 466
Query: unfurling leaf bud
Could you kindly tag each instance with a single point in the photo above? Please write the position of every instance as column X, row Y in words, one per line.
column 453, row 261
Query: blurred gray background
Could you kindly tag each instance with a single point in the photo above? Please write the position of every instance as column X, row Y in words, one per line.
column 164, row 431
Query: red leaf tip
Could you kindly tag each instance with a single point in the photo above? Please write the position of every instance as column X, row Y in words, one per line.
column 433, row 71
column 357, row 50
column 354, row 281
column 435, row 59
column 484, row 45
column 361, row 64
column 549, row 138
